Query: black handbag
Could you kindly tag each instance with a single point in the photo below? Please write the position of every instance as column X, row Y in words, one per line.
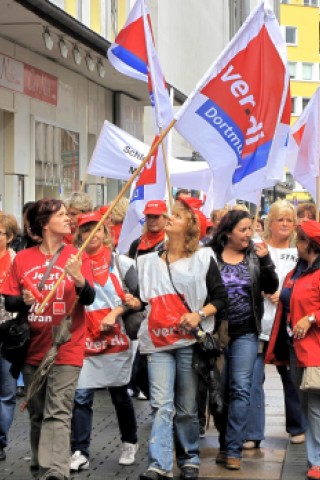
column 14, row 341
column 132, row 319
column 205, row 352
column 15, row 332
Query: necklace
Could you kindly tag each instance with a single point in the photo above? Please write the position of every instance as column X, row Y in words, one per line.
column 47, row 255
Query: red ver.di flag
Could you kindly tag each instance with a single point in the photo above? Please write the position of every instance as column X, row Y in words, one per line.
column 238, row 115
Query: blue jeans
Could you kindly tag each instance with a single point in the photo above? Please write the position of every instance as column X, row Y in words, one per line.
column 295, row 420
column 256, row 419
column 81, row 424
column 173, row 392
column 7, row 400
column 310, row 402
column 240, row 356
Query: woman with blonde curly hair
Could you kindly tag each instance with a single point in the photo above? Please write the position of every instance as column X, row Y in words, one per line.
column 182, row 269
column 279, row 234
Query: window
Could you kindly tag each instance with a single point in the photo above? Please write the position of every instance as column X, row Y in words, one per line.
column 307, row 71
column 57, row 161
column 305, row 102
column 292, row 68
column 291, row 35
column 293, row 105
column 311, row 3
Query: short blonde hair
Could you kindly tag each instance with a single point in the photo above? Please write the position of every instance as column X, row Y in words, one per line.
column 277, row 208
column 241, row 207
column 80, row 201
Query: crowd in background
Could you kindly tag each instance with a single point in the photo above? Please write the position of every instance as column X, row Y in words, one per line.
column 184, row 276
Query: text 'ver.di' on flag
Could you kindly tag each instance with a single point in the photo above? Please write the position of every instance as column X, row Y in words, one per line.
column 238, row 115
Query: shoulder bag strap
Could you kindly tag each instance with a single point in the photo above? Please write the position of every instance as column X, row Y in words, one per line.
column 49, row 268
column 174, row 287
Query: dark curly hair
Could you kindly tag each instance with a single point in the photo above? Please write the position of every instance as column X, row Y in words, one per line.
column 40, row 212
column 226, row 225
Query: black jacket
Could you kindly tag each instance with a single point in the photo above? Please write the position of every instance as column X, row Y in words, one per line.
column 263, row 279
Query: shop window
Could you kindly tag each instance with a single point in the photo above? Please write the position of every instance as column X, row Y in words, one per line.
column 56, row 161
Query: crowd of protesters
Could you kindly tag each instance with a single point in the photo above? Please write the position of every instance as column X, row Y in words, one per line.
column 186, row 276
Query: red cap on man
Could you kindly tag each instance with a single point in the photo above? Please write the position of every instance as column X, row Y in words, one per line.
column 155, row 207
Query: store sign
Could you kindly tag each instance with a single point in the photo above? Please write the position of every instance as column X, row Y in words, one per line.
column 23, row 78
column 11, row 73
column 40, row 85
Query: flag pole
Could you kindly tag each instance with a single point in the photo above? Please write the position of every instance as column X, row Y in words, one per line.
column 317, row 197
column 107, row 213
column 255, row 220
column 166, row 167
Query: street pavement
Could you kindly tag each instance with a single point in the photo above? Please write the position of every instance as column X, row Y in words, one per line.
column 277, row 459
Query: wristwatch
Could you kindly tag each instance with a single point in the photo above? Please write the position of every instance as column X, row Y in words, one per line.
column 312, row 318
column 201, row 314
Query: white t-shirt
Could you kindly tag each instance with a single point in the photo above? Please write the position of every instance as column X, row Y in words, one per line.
column 285, row 259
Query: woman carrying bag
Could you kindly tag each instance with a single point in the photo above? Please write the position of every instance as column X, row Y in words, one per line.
column 246, row 271
column 181, row 270
column 299, row 310
column 50, row 408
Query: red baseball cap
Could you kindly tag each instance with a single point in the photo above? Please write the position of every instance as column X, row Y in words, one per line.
column 155, row 207
column 102, row 210
column 89, row 217
column 312, row 229
column 194, row 204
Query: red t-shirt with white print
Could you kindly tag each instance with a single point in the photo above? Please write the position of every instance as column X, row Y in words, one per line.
column 32, row 263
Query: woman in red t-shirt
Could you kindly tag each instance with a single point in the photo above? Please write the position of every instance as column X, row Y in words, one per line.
column 8, row 230
column 50, row 408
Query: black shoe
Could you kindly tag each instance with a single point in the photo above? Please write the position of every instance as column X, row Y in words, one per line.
column 2, row 454
column 189, row 473
column 20, row 392
column 152, row 475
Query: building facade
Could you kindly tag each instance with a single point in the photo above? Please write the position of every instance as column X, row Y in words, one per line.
column 57, row 86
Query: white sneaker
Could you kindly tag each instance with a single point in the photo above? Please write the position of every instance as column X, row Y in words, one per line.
column 128, row 454
column 142, row 396
column 78, row 462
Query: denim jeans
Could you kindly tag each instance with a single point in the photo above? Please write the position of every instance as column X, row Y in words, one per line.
column 295, row 420
column 310, row 402
column 7, row 400
column 81, row 424
column 240, row 356
column 256, row 419
column 173, row 392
